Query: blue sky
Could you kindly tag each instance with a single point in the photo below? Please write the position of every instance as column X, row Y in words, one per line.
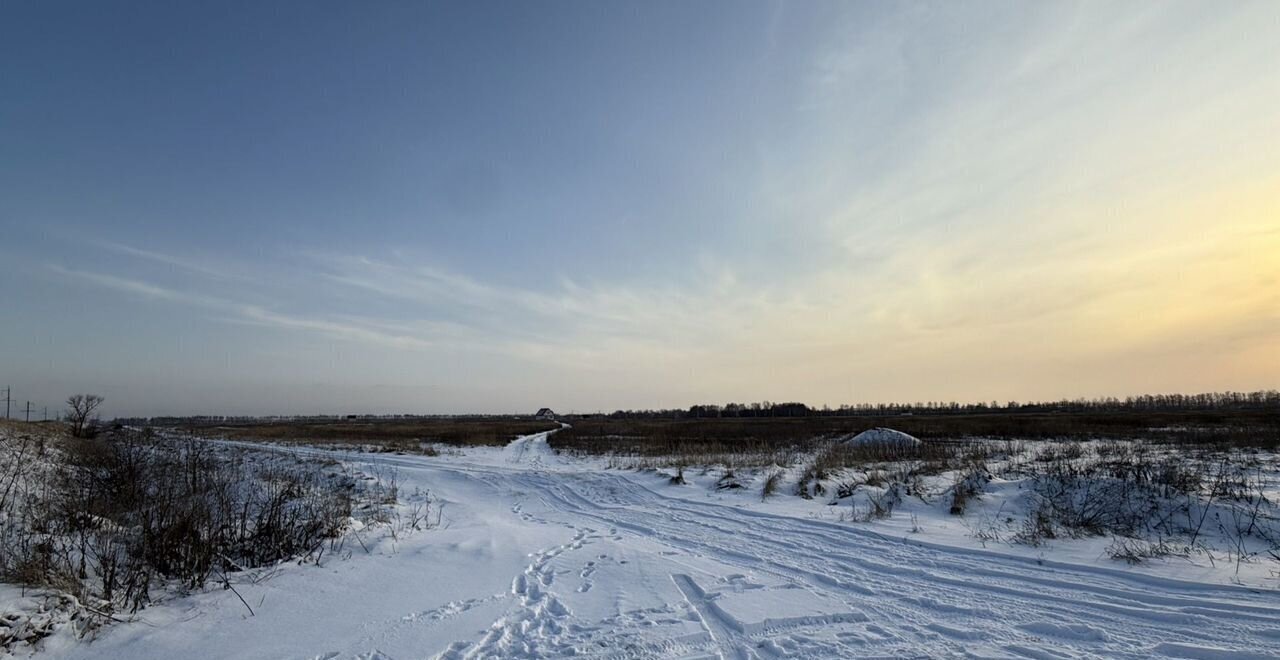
column 393, row 207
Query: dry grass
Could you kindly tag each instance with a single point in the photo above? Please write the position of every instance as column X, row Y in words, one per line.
column 402, row 435
column 36, row 430
column 736, row 439
column 771, row 484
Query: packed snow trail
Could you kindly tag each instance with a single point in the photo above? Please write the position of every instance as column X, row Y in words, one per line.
column 542, row 556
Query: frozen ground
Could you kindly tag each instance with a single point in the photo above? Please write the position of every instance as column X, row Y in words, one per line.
column 543, row 556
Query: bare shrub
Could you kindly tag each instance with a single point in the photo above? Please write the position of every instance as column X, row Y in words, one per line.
column 1036, row 528
column 879, row 505
column 987, row 530
column 1136, row 550
column 884, row 504
column 846, row 489
column 809, row 484
column 771, row 483
column 968, row 485
column 729, row 481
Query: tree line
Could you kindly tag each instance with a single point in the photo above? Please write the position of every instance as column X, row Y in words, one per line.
column 1207, row 401
column 1264, row 400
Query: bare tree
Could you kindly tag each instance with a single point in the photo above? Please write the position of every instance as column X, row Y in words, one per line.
column 80, row 409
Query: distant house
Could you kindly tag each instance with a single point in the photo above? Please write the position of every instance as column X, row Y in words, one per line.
column 545, row 413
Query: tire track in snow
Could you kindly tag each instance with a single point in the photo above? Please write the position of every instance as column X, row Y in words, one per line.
column 1028, row 604
column 728, row 643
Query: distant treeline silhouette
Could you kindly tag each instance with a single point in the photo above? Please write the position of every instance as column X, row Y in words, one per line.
column 233, row 420
column 1208, row 401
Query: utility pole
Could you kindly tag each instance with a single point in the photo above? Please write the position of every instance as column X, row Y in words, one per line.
column 7, row 399
column 45, row 418
column 28, row 411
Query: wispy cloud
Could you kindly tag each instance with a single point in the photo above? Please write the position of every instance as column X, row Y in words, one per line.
column 182, row 263
column 135, row 287
column 249, row 313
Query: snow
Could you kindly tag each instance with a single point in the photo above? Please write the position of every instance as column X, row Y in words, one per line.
column 1000, row 508
column 540, row 555
column 883, row 436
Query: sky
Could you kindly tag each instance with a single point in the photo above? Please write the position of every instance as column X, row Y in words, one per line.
column 394, row 207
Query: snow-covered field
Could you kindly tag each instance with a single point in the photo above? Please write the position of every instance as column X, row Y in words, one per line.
column 539, row 555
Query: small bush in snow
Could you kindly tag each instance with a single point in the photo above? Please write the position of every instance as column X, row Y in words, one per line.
column 1036, row 528
column 1136, row 551
column 771, row 483
column 729, row 481
column 968, row 485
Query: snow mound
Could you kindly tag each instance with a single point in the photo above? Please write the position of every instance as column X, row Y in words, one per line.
column 883, row 436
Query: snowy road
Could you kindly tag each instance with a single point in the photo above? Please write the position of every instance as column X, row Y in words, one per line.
column 541, row 558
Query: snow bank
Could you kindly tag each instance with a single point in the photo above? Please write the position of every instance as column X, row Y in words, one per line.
column 883, row 436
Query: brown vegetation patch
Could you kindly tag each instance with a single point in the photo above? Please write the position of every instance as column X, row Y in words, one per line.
column 393, row 434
